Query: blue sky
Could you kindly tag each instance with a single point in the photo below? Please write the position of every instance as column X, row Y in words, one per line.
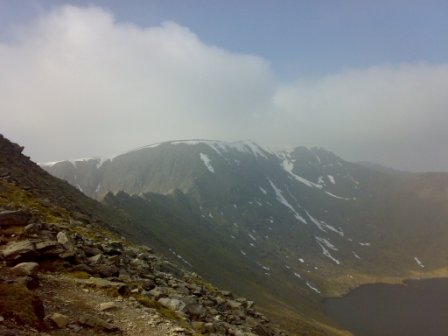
column 366, row 79
column 298, row 37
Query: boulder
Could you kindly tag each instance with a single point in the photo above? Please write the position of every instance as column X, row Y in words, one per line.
column 96, row 259
column 107, row 270
column 62, row 238
column 25, row 268
column 234, row 304
column 173, row 304
column 195, row 310
column 60, row 320
column 96, row 322
column 108, row 306
column 17, row 248
column 157, row 292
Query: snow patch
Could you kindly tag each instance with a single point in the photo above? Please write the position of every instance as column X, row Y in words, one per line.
column 288, row 166
column 178, row 256
column 327, row 243
column 313, row 287
column 331, row 179
column 324, row 244
column 321, row 225
column 419, row 262
column 283, row 200
column 338, row 197
column 263, row 190
column 207, row 161
column 321, row 181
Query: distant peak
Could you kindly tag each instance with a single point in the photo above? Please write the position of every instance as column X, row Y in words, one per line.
column 219, row 146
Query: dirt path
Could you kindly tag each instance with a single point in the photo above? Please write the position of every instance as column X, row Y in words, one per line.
column 64, row 295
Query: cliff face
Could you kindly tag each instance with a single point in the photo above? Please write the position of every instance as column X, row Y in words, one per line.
column 63, row 271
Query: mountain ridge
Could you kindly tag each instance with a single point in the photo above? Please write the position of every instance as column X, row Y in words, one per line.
column 303, row 223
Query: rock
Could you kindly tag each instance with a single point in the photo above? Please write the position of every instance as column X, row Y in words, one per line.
column 234, row 304
column 27, row 281
column 249, row 304
column 33, row 227
column 100, row 283
column 82, row 268
column 226, row 293
column 108, row 306
column 18, row 248
column 182, row 290
column 194, row 310
column 173, row 304
column 96, row 259
column 262, row 330
column 146, row 248
column 45, row 244
column 91, row 251
column 196, row 290
column 62, row 238
column 75, row 327
column 96, row 322
column 179, row 330
column 14, row 218
column 25, row 268
column 107, row 270
column 60, row 320
column 157, row 292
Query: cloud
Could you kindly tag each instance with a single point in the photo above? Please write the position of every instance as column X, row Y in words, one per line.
column 75, row 82
column 393, row 114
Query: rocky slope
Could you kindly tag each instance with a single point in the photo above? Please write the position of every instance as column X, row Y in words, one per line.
column 65, row 272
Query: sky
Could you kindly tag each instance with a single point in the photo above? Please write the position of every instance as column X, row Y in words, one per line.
column 365, row 79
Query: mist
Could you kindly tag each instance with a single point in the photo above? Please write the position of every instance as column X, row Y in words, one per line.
column 76, row 82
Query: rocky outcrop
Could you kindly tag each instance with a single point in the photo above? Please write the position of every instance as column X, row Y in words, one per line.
column 131, row 272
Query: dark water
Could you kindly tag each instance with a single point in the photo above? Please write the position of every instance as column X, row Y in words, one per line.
column 417, row 308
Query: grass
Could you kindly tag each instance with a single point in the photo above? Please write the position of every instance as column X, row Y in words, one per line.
column 20, row 198
column 19, row 303
column 79, row 275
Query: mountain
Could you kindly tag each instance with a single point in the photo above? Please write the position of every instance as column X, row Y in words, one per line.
column 286, row 228
column 65, row 269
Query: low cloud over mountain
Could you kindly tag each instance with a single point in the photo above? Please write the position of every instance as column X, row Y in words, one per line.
column 105, row 86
